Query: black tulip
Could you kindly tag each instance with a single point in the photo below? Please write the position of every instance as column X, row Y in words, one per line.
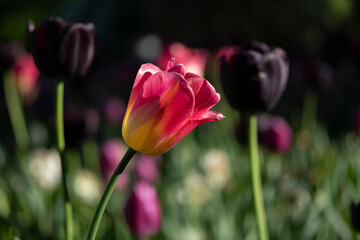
column 254, row 76
column 60, row 48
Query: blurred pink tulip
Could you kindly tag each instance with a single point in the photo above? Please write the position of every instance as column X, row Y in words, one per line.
column 194, row 59
column 143, row 211
column 26, row 74
column 276, row 135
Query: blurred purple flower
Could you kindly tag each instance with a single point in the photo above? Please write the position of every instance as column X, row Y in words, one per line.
column 146, row 168
column 111, row 154
column 114, row 110
column 275, row 134
column 143, row 211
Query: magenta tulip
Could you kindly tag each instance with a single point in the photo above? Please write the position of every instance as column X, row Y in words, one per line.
column 143, row 211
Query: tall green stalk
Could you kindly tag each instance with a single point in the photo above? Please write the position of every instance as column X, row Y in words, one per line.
column 107, row 194
column 256, row 179
column 60, row 142
column 16, row 114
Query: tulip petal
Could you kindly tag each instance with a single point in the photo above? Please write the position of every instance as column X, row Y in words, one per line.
column 180, row 69
column 77, row 49
column 165, row 102
column 277, row 70
column 209, row 116
column 205, row 94
column 145, row 69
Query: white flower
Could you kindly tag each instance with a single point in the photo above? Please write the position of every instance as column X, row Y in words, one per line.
column 196, row 190
column 217, row 168
column 87, row 186
column 45, row 167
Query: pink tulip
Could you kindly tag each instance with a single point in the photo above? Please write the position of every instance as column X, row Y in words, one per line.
column 111, row 154
column 164, row 106
column 143, row 211
column 26, row 73
column 194, row 59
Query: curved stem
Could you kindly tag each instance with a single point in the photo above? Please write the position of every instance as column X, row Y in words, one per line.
column 107, row 194
column 60, row 142
column 256, row 179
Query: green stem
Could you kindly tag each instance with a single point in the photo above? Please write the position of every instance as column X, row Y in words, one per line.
column 60, row 142
column 15, row 111
column 107, row 193
column 256, row 179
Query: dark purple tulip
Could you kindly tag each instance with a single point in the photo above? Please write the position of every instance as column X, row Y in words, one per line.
column 275, row 134
column 254, row 76
column 355, row 215
column 111, row 154
column 60, row 48
column 142, row 210
column 146, row 168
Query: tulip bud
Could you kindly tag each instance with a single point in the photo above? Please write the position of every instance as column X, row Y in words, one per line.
column 60, row 48
column 142, row 210
column 254, row 76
